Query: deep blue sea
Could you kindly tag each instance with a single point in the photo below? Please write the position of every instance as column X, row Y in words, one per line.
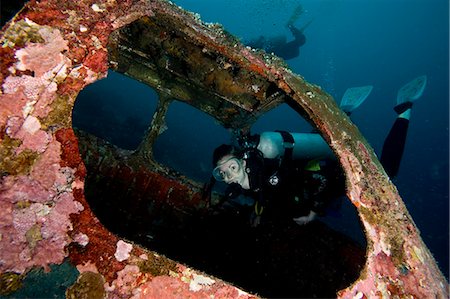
column 384, row 43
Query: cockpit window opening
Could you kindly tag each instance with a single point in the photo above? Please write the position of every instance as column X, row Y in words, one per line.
column 117, row 109
column 188, row 140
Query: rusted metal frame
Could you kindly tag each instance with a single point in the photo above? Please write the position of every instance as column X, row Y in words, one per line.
column 145, row 149
column 188, row 88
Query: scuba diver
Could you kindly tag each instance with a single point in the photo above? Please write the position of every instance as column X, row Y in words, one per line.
column 279, row 44
column 295, row 176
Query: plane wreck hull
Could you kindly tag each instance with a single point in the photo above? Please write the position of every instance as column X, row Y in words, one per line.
column 53, row 49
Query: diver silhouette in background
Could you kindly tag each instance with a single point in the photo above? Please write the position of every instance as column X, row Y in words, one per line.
column 279, row 44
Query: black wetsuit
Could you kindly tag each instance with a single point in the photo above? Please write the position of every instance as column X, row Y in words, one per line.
column 281, row 48
column 290, row 49
column 289, row 188
column 393, row 147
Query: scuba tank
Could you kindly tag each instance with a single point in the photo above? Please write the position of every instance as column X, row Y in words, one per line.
column 305, row 146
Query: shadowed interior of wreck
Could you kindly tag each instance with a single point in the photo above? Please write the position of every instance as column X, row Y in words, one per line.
column 123, row 187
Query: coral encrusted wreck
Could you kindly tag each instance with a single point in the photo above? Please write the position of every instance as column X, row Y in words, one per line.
column 52, row 49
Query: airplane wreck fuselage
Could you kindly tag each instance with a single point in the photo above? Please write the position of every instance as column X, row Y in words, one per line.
column 52, row 49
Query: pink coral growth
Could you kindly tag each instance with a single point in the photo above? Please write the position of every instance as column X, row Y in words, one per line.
column 32, row 88
column 21, row 189
column 36, row 92
column 46, row 168
column 41, row 58
column 127, row 280
column 171, row 287
column 87, row 267
column 28, row 130
column 50, row 223
column 35, row 218
column 39, row 93
column 10, row 104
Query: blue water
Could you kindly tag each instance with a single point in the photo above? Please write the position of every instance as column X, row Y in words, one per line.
column 349, row 43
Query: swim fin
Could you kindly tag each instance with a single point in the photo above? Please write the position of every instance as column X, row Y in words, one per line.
column 295, row 15
column 353, row 97
column 412, row 90
column 306, row 25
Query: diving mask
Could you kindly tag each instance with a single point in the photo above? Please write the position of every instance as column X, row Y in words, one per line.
column 228, row 170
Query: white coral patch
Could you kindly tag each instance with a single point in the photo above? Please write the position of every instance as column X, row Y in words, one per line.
column 98, row 8
column 310, row 94
column 200, row 281
column 31, row 124
column 81, row 239
column 358, row 295
column 32, row 87
column 123, row 250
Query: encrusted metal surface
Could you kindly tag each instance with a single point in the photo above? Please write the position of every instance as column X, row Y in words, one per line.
column 53, row 49
column 179, row 64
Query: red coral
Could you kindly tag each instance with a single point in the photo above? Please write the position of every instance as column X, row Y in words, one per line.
column 70, row 154
column 104, row 28
column 46, row 15
column 71, row 85
column 77, row 54
column 7, row 58
column 102, row 244
column 97, row 61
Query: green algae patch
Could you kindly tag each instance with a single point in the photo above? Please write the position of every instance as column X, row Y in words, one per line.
column 33, row 236
column 368, row 214
column 11, row 163
column 395, row 240
column 89, row 285
column 157, row 265
column 10, row 282
column 397, row 253
column 59, row 115
column 21, row 33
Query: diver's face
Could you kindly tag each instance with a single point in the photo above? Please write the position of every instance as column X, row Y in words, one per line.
column 231, row 170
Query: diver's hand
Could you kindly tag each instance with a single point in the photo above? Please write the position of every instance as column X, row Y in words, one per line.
column 305, row 219
column 255, row 221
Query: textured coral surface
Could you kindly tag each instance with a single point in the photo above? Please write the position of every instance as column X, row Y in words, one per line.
column 50, row 51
